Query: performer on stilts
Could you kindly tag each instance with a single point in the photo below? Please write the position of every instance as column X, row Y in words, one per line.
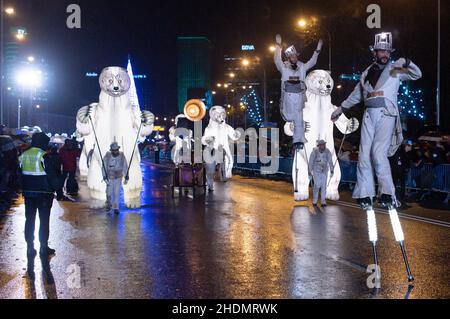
column 381, row 133
column 293, row 94
column 293, row 88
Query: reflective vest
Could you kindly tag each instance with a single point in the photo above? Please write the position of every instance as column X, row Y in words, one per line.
column 32, row 162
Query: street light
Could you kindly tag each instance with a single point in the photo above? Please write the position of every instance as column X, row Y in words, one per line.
column 29, row 78
column 20, row 35
column 10, row 11
column 245, row 62
column 302, row 23
column 272, row 48
column 232, row 75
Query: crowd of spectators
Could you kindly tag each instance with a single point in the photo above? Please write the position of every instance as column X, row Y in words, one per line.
column 63, row 159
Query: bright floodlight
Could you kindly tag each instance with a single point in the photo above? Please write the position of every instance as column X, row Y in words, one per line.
column 10, row 11
column 29, row 78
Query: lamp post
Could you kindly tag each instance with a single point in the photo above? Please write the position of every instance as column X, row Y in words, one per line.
column 246, row 63
column 9, row 11
column 19, row 106
column 438, row 86
column 27, row 79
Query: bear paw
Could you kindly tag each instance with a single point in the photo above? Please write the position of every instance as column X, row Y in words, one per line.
column 300, row 197
column 333, row 195
column 133, row 203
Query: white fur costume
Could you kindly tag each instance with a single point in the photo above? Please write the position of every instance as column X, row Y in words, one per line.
column 217, row 135
column 115, row 119
column 181, row 141
column 317, row 114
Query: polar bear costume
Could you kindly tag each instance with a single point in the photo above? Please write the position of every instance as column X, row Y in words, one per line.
column 182, row 140
column 218, row 135
column 115, row 119
column 317, row 114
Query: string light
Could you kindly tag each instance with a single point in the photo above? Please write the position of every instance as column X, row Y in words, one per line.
column 250, row 102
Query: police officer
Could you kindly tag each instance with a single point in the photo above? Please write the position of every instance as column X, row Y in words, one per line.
column 39, row 183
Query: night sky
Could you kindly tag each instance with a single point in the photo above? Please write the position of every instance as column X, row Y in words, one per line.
column 148, row 29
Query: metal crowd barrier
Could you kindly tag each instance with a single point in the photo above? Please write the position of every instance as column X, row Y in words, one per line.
column 427, row 177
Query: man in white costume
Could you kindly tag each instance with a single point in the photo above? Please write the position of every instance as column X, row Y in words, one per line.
column 293, row 88
column 116, row 169
column 217, row 138
column 381, row 136
column 320, row 162
column 381, row 133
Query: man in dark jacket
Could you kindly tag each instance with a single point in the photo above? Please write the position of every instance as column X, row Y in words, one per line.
column 39, row 183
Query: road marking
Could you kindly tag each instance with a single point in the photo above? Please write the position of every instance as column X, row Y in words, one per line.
column 402, row 215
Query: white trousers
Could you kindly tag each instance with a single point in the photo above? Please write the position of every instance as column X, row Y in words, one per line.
column 292, row 111
column 210, row 172
column 376, row 136
column 113, row 192
column 320, row 185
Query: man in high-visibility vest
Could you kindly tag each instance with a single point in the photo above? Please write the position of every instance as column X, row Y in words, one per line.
column 39, row 182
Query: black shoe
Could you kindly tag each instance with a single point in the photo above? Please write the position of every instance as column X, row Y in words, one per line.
column 324, row 205
column 47, row 251
column 116, row 211
column 299, row 146
column 315, row 205
column 387, row 201
column 365, row 203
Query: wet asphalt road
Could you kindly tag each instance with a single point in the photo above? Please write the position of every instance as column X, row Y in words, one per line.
column 247, row 240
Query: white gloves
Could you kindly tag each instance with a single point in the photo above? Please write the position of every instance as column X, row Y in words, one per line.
column 278, row 39
column 319, row 45
column 402, row 63
column 147, row 118
column 84, row 113
column 337, row 114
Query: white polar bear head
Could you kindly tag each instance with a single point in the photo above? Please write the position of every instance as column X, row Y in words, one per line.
column 319, row 82
column 114, row 81
column 218, row 114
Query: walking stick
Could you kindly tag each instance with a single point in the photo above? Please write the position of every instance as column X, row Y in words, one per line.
column 352, row 126
column 99, row 149
column 127, row 176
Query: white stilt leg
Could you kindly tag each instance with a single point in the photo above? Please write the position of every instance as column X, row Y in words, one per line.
column 373, row 232
column 400, row 237
column 396, row 226
column 373, row 237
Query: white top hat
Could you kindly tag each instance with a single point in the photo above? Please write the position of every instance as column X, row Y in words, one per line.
column 291, row 51
column 383, row 41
